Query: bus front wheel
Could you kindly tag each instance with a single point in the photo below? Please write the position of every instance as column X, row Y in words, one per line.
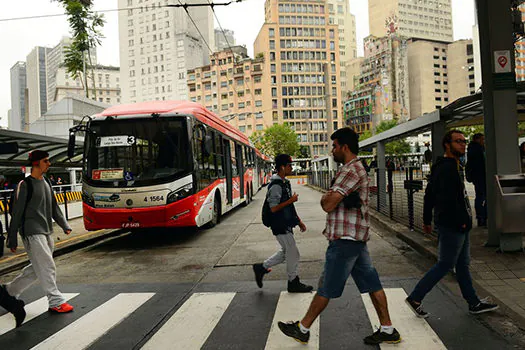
column 215, row 215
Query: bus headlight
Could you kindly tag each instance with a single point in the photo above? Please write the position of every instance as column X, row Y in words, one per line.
column 180, row 193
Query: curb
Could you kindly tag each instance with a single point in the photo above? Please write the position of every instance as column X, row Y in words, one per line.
column 64, row 250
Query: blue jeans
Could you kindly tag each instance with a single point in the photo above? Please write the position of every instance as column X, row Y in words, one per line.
column 454, row 250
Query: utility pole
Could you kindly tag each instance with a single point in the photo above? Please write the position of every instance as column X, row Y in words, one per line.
column 499, row 103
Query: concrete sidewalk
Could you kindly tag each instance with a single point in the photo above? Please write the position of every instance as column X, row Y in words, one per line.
column 78, row 238
column 499, row 275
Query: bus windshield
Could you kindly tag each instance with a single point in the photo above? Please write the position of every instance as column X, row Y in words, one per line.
column 136, row 152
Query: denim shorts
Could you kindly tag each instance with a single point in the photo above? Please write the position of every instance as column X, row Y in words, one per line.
column 345, row 257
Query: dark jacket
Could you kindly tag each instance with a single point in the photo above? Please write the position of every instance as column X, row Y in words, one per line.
column 445, row 193
column 475, row 169
column 284, row 220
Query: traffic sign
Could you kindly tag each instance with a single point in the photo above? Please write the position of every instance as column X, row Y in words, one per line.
column 502, row 62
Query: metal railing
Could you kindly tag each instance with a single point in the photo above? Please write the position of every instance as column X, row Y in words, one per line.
column 402, row 196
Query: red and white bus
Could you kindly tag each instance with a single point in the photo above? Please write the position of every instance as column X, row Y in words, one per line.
column 165, row 164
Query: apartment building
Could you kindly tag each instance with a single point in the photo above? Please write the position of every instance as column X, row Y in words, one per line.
column 233, row 86
column 103, row 85
column 382, row 88
column 439, row 74
column 158, row 45
column 17, row 113
column 36, row 84
column 420, row 19
column 302, row 63
column 339, row 14
column 224, row 40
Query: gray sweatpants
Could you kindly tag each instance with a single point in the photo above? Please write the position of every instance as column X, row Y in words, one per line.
column 288, row 252
column 39, row 248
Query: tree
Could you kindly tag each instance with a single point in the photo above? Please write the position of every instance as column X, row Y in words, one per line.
column 471, row 130
column 276, row 139
column 394, row 147
column 85, row 29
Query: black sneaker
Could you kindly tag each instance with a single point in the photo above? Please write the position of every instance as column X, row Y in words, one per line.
column 482, row 307
column 259, row 271
column 296, row 286
column 416, row 308
column 379, row 337
column 292, row 330
column 12, row 305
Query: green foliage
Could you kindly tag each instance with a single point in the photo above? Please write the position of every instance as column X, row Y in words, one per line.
column 84, row 25
column 394, row 147
column 276, row 139
column 471, row 130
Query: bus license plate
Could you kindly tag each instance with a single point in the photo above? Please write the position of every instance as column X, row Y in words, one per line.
column 130, row 224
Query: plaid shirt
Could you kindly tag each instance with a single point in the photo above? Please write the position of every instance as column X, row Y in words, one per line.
column 351, row 223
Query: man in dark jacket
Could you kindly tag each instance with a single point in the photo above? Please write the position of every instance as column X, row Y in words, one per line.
column 284, row 219
column 475, row 172
column 446, row 195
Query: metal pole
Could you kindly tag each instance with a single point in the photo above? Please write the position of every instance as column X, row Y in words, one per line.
column 328, row 91
column 499, row 100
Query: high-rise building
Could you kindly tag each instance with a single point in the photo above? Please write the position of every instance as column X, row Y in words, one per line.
column 232, row 87
column 158, row 45
column 382, row 88
column 18, row 97
column 439, row 73
column 420, row 19
column 224, row 40
column 36, row 74
column 520, row 51
column 55, row 59
column 302, row 65
column 103, row 84
column 339, row 14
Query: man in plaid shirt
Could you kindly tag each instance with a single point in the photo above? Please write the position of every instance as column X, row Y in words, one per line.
column 347, row 226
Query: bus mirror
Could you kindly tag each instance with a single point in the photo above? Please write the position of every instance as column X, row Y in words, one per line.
column 71, row 145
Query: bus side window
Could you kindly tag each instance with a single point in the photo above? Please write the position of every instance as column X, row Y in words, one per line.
column 212, row 157
column 235, row 171
column 220, row 155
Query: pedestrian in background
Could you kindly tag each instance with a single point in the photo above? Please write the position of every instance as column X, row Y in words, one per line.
column 446, row 195
column 33, row 214
column 283, row 218
column 347, row 230
column 476, row 174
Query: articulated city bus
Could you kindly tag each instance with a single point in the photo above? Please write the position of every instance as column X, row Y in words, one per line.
column 165, row 164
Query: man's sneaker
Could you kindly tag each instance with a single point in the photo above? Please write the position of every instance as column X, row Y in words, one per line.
column 260, row 271
column 381, row 337
column 292, row 330
column 482, row 307
column 295, row 286
column 62, row 309
column 416, row 308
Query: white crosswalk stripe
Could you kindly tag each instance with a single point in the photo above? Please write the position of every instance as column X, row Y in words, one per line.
column 193, row 324
column 415, row 332
column 291, row 307
column 83, row 332
column 33, row 310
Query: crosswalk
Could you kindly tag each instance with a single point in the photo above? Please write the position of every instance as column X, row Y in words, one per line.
column 209, row 320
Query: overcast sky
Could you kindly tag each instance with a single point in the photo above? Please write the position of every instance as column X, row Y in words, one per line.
column 19, row 37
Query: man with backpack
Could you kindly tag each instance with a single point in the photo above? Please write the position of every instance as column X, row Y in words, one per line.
column 280, row 215
column 33, row 212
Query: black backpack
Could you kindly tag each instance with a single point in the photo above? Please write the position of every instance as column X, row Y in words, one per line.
column 267, row 214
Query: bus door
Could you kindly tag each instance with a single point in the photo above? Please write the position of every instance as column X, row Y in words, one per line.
column 240, row 166
column 228, row 170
